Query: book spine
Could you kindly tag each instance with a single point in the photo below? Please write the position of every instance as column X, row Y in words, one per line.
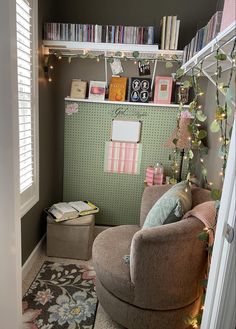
column 163, row 32
column 129, row 89
column 168, row 31
column 177, row 34
column 173, row 32
column 150, row 35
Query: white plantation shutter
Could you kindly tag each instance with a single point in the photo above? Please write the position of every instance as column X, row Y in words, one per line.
column 27, row 103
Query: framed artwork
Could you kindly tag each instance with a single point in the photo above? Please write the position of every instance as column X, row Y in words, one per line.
column 78, row 89
column 97, row 90
column 126, row 131
column 163, row 90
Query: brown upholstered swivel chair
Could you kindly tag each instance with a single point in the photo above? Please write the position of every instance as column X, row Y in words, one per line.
column 162, row 283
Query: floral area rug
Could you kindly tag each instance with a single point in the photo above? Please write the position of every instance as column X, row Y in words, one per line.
column 61, row 296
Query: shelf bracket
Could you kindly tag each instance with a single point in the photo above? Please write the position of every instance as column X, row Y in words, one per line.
column 105, row 62
column 154, row 73
column 214, row 83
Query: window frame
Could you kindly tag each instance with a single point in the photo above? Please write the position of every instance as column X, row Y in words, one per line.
column 30, row 196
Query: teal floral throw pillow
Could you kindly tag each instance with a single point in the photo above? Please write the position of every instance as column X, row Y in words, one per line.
column 171, row 206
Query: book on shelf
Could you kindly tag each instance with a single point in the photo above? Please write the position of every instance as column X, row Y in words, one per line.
column 139, row 90
column 177, row 34
column 97, row 90
column 99, row 33
column 169, row 32
column 69, row 210
column 203, row 36
column 78, row 89
column 117, row 89
column 163, row 31
column 228, row 15
column 173, row 32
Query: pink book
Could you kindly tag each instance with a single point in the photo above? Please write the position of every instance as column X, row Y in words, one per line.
column 229, row 15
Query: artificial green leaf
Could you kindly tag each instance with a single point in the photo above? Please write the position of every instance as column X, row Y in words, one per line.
column 192, row 106
column 203, row 236
column 201, row 116
column 174, row 57
column 190, row 128
column 229, row 110
column 199, row 318
column 217, row 204
column 215, row 126
column 175, row 141
column 135, row 54
column 230, row 131
column 179, row 73
column 215, row 194
column 210, row 249
column 186, row 84
column 204, row 172
column 169, row 65
column 118, row 54
column 229, row 96
column 110, row 60
column 190, row 154
column 204, row 283
column 221, row 57
column 202, row 134
column 222, row 150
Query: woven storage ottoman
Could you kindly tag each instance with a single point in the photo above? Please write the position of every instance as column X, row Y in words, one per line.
column 71, row 238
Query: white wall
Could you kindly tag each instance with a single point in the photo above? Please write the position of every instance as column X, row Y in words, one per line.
column 10, row 234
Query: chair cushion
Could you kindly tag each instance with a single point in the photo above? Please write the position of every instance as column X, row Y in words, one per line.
column 171, row 206
column 108, row 250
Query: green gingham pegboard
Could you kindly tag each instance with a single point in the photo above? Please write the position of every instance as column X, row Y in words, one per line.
column 117, row 195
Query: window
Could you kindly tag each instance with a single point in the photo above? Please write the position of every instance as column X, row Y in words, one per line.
column 26, row 34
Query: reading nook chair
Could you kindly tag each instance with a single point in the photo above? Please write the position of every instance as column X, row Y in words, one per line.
column 161, row 284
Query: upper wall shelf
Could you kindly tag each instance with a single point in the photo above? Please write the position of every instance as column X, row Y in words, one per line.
column 69, row 99
column 205, row 60
column 70, row 49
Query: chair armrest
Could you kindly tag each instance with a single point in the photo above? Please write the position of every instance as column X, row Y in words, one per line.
column 150, row 195
column 167, row 265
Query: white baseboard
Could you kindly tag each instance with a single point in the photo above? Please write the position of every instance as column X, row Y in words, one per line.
column 32, row 257
column 99, row 229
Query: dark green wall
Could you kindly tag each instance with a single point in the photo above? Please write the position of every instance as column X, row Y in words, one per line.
column 193, row 14
column 51, row 169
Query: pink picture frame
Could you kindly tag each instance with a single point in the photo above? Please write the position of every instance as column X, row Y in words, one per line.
column 163, row 90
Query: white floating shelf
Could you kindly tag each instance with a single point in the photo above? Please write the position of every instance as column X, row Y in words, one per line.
column 71, row 48
column 122, row 103
column 205, row 58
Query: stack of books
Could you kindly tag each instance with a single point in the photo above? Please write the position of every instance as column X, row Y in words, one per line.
column 203, row 36
column 169, row 32
column 99, row 33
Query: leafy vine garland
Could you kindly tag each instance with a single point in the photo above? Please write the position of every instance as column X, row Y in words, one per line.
column 221, row 124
